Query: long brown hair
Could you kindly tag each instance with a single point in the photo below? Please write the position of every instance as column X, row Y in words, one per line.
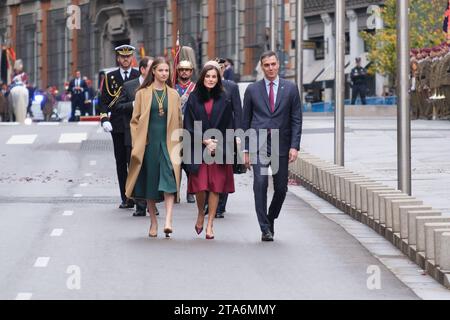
column 150, row 78
column 203, row 93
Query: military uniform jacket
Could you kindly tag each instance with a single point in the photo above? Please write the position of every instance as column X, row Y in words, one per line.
column 425, row 67
column 110, row 95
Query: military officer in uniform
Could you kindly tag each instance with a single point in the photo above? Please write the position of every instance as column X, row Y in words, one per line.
column 112, row 119
column 358, row 76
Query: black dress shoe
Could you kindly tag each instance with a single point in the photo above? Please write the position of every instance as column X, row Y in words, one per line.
column 140, row 213
column 271, row 226
column 219, row 215
column 190, row 198
column 123, row 205
column 267, row 236
column 130, row 204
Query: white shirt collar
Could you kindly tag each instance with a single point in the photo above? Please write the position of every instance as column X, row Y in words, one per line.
column 122, row 72
column 275, row 82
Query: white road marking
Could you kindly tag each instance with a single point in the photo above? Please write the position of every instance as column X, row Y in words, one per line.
column 84, row 185
column 57, row 233
column 9, row 123
column 41, row 262
column 72, row 137
column 77, row 195
column 50, row 124
column 24, row 296
column 22, row 139
column 93, row 163
column 88, row 174
column 67, row 213
column 88, row 123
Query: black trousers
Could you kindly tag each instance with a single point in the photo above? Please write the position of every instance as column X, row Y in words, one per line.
column 360, row 90
column 260, row 186
column 122, row 154
column 77, row 102
column 223, row 198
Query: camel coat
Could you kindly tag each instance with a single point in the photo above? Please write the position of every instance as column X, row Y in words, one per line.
column 139, row 130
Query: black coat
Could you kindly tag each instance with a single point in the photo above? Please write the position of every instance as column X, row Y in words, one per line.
column 124, row 106
column 232, row 89
column 222, row 119
column 113, row 83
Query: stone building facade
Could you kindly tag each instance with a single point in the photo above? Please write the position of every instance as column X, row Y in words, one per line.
column 237, row 29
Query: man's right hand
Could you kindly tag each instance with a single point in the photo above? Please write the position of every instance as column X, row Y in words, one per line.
column 107, row 126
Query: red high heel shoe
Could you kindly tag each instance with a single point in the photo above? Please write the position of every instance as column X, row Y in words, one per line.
column 198, row 230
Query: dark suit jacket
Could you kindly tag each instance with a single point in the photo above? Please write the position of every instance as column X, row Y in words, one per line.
column 124, row 106
column 287, row 117
column 221, row 119
column 77, row 96
column 232, row 89
column 113, row 82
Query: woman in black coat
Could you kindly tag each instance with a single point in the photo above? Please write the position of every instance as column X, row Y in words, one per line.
column 208, row 117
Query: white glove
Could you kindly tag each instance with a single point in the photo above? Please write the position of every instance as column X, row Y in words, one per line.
column 107, row 126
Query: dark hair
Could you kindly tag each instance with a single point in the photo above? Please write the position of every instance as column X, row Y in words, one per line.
column 144, row 62
column 230, row 61
column 268, row 54
column 200, row 89
column 150, row 78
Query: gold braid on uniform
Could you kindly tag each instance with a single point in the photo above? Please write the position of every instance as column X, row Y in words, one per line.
column 116, row 97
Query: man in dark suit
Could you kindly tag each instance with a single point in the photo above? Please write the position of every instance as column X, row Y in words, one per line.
column 115, row 122
column 232, row 90
column 125, row 106
column 77, row 89
column 272, row 107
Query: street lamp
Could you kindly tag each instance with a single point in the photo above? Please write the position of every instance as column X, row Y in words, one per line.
column 339, row 115
column 403, row 115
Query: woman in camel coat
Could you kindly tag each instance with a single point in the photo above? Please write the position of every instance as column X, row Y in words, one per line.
column 156, row 131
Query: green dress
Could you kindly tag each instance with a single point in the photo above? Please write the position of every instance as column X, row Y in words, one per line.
column 156, row 176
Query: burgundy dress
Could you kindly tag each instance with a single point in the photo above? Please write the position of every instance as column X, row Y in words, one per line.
column 214, row 177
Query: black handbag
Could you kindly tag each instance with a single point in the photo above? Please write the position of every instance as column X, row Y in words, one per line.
column 238, row 167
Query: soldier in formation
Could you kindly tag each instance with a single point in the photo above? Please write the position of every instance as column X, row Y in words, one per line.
column 430, row 83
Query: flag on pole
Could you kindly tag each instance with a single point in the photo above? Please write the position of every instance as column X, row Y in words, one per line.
column 446, row 22
column 142, row 51
column 176, row 58
column 11, row 60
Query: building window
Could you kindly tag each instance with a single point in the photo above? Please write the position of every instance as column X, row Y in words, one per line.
column 84, row 43
column 56, row 44
column 319, row 51
column 155, row 28
column 226, row 29
column 256, row 33
column 189, row 24
column 26, row 44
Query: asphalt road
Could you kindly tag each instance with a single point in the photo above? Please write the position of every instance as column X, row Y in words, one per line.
column 62, row 236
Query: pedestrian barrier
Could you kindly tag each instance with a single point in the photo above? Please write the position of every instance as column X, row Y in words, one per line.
column 421, row 233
